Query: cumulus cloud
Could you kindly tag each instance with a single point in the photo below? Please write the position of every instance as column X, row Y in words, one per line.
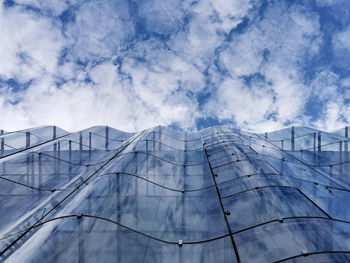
column 272, row 48
column 341, row 40
column 99, row 30
column 136, row 64
column 29, row 45
column 52, row 7
column 333, row 115
column 328, row 3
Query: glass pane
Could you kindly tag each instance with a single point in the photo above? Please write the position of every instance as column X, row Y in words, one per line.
column 91, row 240
column 265, row 204
column 277, row 241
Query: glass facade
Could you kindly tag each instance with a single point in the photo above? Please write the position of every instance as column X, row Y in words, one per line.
column 160, row 195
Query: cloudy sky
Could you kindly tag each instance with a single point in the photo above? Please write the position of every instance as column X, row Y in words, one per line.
column 258, row 64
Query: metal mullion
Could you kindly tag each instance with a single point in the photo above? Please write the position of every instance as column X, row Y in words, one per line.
column 222, row 206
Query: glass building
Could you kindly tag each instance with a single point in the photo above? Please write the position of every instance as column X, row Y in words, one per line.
column 160, row 195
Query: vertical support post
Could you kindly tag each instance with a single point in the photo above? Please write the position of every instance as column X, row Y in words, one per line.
column 346, row 132
column 55, row 159
column 80, row 141
column 40, row 168
column 319, row 142
column 346, row 143
column 315, row 147
column 28, row 167
column 32, row 169
column 346, row 148
column 118, row 209
column 54, row 132
column 27, row 139
column 90, row 143
column 183, row 203
column 58, row 157
column 147, row 160
column 2, row 146
column 107, row 138
column 70, row 155
column 341, row 157
column 314, row 141
column 70, row 150
column 136, row 187
column 292, row 141
column 282, row 145
column 160, row 138
column 80, row 147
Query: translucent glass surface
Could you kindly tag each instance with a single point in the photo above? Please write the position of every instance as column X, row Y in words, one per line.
column 279, row 240
column 161, row 195
column 261, row 205
column 13, row 142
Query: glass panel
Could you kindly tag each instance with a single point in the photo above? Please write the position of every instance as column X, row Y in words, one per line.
column 277, row 241
column 16, row 201
column 335, row 202
column 149, row 208
column 242, row 168
column 264, row 204
column 92, row 240
column 162, row 172
column 18, row 141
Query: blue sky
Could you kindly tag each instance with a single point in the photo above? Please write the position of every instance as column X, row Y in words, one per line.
column 258, row 65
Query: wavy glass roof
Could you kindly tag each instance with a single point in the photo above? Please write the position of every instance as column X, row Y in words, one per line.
column 217, row 195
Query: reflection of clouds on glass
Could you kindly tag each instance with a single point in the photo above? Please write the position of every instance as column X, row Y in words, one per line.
column 216, row 194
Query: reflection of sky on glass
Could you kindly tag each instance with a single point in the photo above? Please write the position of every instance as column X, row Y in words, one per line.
column 190, row 64
column 160, row 193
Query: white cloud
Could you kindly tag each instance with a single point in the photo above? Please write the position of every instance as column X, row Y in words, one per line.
column 209, row 24
column 161, row 17
column 233, row 97
column 106, row 101
column 144, row 69
column 341, row 47
column 325, row 85
column 323, row 3
column 29, row 45
column 331, row 118
column 285, row 37
column 341, row 40
column 156, row 95
column 100, row 29
column 162, row 84
column 55, row 7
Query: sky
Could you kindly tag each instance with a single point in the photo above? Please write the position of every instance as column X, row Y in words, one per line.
column 257, row 65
